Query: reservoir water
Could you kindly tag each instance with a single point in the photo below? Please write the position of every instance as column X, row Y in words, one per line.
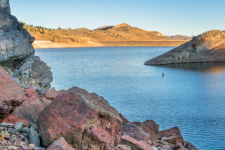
column 190, row 96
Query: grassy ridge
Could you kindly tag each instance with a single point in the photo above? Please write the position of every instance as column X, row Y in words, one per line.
column 119, row 35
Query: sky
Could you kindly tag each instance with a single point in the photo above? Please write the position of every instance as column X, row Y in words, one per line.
column 170, row 17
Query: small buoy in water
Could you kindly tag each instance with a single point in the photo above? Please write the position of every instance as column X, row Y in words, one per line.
column 163, row 74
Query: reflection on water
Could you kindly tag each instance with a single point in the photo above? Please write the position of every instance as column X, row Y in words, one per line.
column 211, row 67
column 190, row 96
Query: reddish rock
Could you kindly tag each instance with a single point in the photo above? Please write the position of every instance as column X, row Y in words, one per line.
column 134, row 144
column 32, row 106
column 175, row 140
column 11, row 94
column 134, row 132
column 149, row 127
column 172, row 136
column 60, row 144
column 52, row 93
column 123, row 119
column 85, row 120
column 14, row 119
column 163, row 145
column 122, row 147
column 179, row 147
column 170, row 132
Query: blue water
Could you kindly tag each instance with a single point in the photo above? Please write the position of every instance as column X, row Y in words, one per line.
column 189, row 96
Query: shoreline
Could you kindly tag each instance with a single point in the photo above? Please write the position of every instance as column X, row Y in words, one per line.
column 99, row 47
column 155, row 43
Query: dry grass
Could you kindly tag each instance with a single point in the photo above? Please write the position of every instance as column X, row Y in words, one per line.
column 210, row 35
column 84, row 36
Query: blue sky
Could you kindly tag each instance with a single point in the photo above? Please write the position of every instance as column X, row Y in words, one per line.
column 170, row 17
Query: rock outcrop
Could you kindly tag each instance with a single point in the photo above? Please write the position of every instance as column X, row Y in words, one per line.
column 146, row 136
column 207, row 47
column 17, row 53
column 11, row 95
column 85, row 120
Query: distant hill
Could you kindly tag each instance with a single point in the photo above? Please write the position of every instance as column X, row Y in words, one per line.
column 179, row 37
column 118, row 35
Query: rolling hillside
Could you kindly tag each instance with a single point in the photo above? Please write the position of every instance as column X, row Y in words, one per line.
column 119, row 35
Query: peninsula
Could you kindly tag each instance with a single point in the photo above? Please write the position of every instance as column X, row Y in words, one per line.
column 207, row 47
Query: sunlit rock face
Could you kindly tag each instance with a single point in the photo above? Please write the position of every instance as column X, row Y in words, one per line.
column 207, row 47
column 17, row 53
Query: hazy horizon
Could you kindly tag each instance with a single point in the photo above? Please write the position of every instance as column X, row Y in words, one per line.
column 172, row 17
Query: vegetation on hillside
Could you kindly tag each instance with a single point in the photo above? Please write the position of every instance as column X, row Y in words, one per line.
column 122, row 32
column 210, row 35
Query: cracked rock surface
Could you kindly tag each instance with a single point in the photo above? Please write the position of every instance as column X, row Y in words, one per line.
column 85, row 120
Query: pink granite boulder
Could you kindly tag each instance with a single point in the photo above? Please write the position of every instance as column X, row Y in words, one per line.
column 85, row 120
column 11, row 95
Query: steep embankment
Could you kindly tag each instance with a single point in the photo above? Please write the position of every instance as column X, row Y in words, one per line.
column 207, row 47
column 119, row 35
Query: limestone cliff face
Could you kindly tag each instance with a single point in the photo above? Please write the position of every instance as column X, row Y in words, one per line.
column 207, row 47
column 17, row 53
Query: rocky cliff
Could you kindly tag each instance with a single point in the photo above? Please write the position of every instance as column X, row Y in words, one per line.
column 207, row 47
column 17, row 53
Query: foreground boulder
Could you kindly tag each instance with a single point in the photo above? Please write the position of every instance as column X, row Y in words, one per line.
column 85, row 120
column 11, row 95
column 207, row 47
column 31, row 107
